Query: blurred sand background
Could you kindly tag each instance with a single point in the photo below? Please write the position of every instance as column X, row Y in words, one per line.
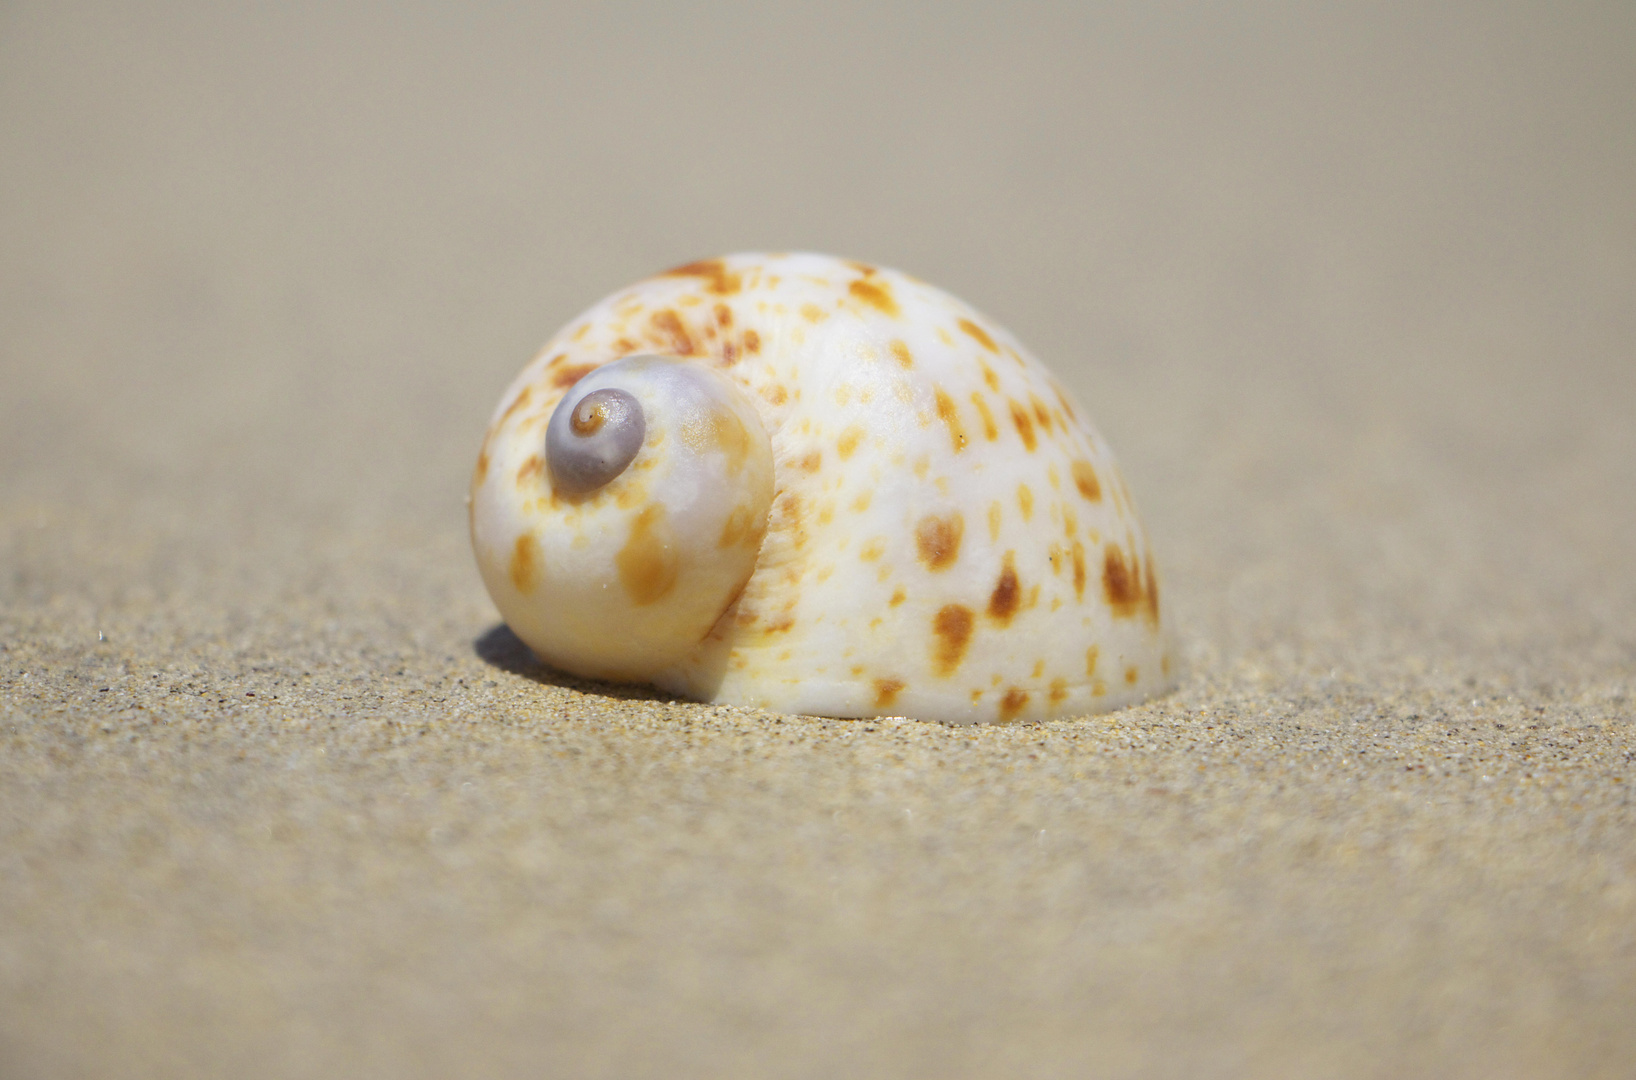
column 1350, row 288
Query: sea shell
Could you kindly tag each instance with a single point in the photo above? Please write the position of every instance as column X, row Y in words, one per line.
column 815, row 486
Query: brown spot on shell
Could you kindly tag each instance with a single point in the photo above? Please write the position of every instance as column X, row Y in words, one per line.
column 718, row 430
column 670, row 333
column 886, row 692
column 979, row 335
column 724, row 316
column 1041, row 413
column 873, row 550
column 525, row 563
column 1059, row 691
column 1085, row 480
column 1124, row 587
column 989, row 377
column 573, row 373
column 1079, row 570
column 718, row 279
column 1006, row 598
column 901, row 352
column 1131, row 675
column 813, row 313
column 742, row 527
column 951, row 419
column 861, row 503
column 937, row 539
column 1024, row 423
column 994, row 515
column 752, row 341
column 990, row 431
column 775, row 394
column 1025, row 501
column 648, row 563
column 530, row 469
column 877, row 295
column 848, row 442
column 951, row 627
column 1012, row 704
column 482, row 470
column 898, row 597
column 518, row 402
column 1092, row 654
column 811, row 461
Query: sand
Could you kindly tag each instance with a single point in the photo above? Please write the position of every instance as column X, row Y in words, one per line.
column 1353, row 295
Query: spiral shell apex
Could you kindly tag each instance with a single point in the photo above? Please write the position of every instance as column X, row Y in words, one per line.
column 815, row 486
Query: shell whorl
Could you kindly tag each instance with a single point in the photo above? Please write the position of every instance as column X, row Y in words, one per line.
column 592, row 438
column 919, row 523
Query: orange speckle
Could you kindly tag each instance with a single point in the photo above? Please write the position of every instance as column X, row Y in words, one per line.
column 979, row 335
column 1007, row 595
column 1041, row 413
column 482, row 470
column 718, row 279
column 952, row 628
column 1124, row 587
column 1085, row 480
column 752, row 341
column 901, row 351
column 1131, row 675
column 994, row 514
column 872, row 550
column 989, row 430
column 1059, row 690
column 861, row 503
column 1039, row 668
column 1098, row 688
column 1025, row 501
column 1091, row 656
column 742, row 527
column 886, row 692
column 718, row 431
column 848, row 442
column 876, row 294
column 1079, row 570
column 1062, row 399
column 775, row 394
column 951, row 418
column 648, row 563
column 724, row 316
column 1024, row 423
column 989, row 377
column 1012, row 704
column 669, row 332
column 525, row 563
column 813, row 313
column 898, row 597
column 811, row 461
column 530, row 469
column 1070, row 523
column 516, row 403
column 937, row 539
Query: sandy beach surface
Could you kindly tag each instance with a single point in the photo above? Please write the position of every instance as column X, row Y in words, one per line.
column 1351, row 289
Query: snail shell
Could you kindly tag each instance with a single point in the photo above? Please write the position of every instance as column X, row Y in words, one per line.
column 810, row 485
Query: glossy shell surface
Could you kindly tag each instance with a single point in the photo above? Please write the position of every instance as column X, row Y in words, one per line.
column 939, row 532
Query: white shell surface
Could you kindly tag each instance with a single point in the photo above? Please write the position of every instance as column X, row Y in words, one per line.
column 948, row 538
